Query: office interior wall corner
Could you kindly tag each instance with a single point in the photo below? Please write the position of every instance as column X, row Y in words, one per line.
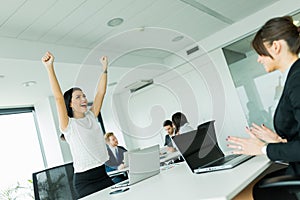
column 55, row 154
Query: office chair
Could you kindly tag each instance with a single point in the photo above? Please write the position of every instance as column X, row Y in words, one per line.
column 54, row 183
column 285, row 185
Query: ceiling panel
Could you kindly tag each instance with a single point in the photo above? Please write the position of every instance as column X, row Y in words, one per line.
column 28, row 13
column 129, row 14
column 75, row 19
column 65, row 25
column 90, row 18
column 99, row 26
column 87, row 33
column 52, row 17
column 194, row 23
column 151, row 16
column 9, row 9
column 155, row 12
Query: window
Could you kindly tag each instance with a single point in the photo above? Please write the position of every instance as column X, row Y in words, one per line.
column 20, row 152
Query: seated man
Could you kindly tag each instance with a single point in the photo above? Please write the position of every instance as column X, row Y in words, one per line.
column 171, row 130
column 116, row 156
column 168, row 126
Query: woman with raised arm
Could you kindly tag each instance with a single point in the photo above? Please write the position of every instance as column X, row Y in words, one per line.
column 277, row 44
column 81, row 130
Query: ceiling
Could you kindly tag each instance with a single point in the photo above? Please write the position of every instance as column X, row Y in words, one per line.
column 76, row 31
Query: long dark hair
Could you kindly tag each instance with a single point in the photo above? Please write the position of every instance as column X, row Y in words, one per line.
column 279, row 28
column 68, row 98
column 178, row 119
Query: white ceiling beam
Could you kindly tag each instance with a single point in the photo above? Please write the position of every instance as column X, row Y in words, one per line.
column 249, row 25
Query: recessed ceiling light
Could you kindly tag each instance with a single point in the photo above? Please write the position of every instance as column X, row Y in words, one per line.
column 177, row 38
column 115, row 22
column 29, row 83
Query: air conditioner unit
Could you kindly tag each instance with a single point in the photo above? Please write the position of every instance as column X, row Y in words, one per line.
column 139, row 85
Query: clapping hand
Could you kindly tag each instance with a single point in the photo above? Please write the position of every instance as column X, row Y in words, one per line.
column 248, row 146
column 265, row 134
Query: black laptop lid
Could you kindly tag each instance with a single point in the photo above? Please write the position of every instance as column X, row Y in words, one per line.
column 199, row 147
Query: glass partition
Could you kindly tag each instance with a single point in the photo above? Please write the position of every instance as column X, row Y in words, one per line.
column 259, row 92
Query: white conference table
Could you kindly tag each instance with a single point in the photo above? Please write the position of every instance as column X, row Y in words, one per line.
column 180, row 183
column 169, row 156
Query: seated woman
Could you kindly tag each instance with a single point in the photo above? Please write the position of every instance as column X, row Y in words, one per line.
column 277, row 44
column 181, row 123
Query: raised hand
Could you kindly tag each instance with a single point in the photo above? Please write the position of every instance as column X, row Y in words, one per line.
column 101, row 88
column 104, row 62
column 48, row 59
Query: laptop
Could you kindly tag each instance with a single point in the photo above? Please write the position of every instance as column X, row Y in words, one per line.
column 143, row 164
column 201, row 151
column 126, row 161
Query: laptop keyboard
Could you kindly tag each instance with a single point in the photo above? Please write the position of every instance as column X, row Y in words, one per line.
column 226, row 159
column 230, row 157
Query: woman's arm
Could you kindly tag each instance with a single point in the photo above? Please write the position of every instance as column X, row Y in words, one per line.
column 48, row 60
column 101, row 88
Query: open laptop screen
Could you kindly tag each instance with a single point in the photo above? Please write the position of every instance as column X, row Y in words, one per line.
column 199, row 147
column 143, row 163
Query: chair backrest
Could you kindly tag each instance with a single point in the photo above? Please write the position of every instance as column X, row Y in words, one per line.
column 54, row 183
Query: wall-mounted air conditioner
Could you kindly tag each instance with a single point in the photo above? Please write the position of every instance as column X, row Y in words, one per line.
column 139, row 85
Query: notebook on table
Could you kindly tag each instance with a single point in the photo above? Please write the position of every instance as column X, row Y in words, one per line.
column 201, row 151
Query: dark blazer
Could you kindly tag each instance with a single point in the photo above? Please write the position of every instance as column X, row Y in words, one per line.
column 287, row 123
column 112, row 161
column 168, row 141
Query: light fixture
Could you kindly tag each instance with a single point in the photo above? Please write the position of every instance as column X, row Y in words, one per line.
column 29, row 83
column 115, row 22
column 141, row 29
column 177, row 38
column 139, row 85
column 112, row 84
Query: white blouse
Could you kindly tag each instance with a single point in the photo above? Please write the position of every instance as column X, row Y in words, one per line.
column 86, row 142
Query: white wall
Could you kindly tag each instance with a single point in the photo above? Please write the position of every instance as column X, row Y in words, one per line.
column 48, row 131
column 201, row 88
column 109, row 118
column 234, row 119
